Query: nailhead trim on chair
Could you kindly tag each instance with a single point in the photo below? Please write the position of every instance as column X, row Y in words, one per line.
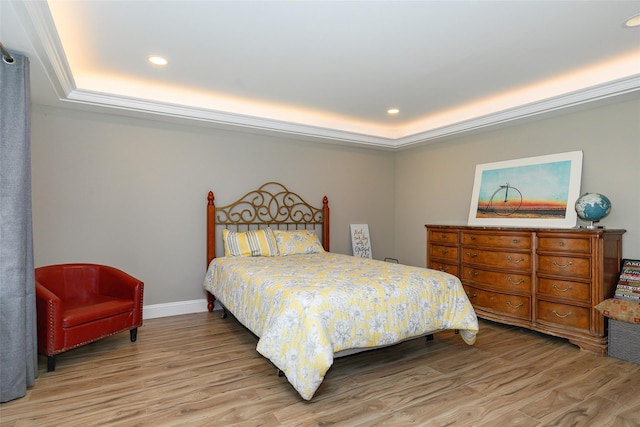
column 141, row 302
column 50, row 335
column 93, row 340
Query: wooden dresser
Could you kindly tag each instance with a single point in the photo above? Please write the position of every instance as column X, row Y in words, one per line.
column 548, row 280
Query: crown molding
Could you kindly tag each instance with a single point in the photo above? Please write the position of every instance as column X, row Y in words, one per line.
column 36, row 18
column 569, row 100
column 223, row 119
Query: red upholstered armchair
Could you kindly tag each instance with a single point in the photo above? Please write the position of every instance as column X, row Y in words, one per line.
column 81, row 303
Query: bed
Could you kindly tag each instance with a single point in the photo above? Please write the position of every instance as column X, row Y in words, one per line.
column 270, row 266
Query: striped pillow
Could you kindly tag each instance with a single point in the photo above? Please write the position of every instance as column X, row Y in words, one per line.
column 249, row 243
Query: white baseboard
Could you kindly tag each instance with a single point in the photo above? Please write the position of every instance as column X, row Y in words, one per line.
column 175, row 308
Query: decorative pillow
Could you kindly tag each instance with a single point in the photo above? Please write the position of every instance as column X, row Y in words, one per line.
column 291, row 242
column 620, row 309
column 249, row 243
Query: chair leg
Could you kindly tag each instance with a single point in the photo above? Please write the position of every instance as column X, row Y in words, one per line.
column 51, row 363
column 133, row 333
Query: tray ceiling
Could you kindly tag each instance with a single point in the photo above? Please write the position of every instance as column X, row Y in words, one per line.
column 329, row 70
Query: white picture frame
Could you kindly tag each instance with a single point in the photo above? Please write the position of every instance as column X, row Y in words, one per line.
column 360, row 241
column 530, row 192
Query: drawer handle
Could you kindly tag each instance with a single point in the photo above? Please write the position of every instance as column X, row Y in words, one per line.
column 568, row 288
column 472, row 238
column 443, row 236
column 472, row 273
column 472, row 255
column 444, row 251
column 560, row 315
column 514, row 306
column 567, row 265
column 519, row 282
column 470, row 295
column 515, row 241
column 514, row 261
column 443, row 268
column 561, row 243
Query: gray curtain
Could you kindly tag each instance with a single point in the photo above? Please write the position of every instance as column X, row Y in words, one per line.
column 18, row 337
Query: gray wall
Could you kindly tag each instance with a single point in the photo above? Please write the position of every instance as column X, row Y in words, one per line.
column 132, row 193
column 434, row 182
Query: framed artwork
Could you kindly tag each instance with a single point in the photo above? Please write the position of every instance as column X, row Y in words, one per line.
column 360, row 243
column 529, row 192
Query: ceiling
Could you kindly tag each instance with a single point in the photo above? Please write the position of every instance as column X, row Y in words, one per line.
column 329, row 69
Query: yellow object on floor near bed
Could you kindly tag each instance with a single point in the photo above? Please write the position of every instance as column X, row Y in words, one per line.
column 305, row 308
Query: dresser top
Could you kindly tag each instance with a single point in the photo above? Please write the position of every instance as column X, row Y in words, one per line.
column 532, row 229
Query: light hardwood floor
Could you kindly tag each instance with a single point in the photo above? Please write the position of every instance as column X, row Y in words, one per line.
column 200, row 370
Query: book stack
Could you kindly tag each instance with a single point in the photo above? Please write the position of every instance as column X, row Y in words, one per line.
column 629, row 281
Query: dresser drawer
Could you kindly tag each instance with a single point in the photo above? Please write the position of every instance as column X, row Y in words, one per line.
column 445, row 252
column 565, row 288
column 496, row 302
column 565, row 266
column 564, row 314
column 447, row 268
column 512, row 260
column 442, row 236
column 564, row 244
column 511, row 241
column 510, row 282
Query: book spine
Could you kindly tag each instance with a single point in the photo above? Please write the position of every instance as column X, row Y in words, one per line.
column 628, row 289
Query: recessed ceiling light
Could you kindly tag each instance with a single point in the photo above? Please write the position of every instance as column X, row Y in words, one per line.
column 393, row 111
column 157, row 60
column 634, row 21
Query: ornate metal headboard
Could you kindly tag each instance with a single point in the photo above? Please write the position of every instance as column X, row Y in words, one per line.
column 271, row 205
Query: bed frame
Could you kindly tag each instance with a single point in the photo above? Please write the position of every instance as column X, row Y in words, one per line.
column 271, row 205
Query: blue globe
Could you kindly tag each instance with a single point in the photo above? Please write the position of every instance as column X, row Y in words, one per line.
column 592, row 206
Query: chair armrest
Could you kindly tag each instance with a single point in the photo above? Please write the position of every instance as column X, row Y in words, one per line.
column 49, row 319
column 118, row 284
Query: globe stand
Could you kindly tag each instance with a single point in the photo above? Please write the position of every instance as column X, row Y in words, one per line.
column 593, row 225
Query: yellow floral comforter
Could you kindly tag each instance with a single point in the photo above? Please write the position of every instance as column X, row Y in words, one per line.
column 305, row 308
